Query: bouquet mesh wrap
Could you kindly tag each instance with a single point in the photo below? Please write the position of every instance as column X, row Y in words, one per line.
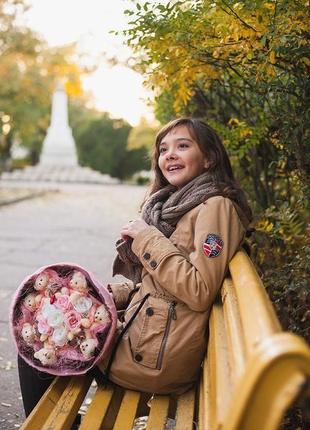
column 63, row 320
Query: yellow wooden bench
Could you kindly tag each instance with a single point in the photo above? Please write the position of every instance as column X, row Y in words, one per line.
column 251, row 374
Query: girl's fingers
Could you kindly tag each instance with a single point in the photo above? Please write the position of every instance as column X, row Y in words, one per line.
column 133, row 228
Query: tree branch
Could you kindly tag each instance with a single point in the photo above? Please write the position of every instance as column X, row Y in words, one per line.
column 237, row 16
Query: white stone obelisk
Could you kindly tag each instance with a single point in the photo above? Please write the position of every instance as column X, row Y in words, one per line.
column 58, row 146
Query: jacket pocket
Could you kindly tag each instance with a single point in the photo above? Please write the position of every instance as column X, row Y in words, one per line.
column 149, row 337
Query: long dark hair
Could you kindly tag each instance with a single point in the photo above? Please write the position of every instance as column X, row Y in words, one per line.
column 212, row 147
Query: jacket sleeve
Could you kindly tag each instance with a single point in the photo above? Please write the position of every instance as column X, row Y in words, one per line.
column 195, row 280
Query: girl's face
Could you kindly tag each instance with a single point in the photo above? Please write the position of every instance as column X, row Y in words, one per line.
column 180, row 158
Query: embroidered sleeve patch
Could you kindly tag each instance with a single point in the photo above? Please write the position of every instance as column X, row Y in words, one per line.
column 213, row 245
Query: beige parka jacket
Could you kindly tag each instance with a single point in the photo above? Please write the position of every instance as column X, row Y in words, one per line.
column 164, row 347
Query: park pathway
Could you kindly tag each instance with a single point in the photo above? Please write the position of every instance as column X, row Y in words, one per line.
column 76, row 223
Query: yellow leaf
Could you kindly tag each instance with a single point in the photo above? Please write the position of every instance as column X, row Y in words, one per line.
column 270, row 71
column 216, row 53
column 268, row 6
column 233, row 121
column 73, row 88
column 306, row 61
column 272, row 57
column 246, row 132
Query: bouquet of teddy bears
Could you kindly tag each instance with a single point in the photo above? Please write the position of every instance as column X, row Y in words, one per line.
column 63, row 320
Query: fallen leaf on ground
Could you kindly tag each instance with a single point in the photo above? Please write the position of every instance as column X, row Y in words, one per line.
column 9, row 365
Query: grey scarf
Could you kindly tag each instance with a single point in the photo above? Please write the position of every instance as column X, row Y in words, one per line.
column 163, row 210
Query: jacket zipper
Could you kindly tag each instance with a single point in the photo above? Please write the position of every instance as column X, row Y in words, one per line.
column 171, row 316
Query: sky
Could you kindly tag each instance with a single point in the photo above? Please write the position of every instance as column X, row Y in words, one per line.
column 115, row 89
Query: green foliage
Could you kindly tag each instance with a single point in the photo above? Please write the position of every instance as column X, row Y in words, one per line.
column 102, row 143
column 142, row 136
column 141, row 180
column 281, row 247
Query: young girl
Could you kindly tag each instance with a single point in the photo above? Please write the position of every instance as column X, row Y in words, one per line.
column 176, row 256
column 193, row 222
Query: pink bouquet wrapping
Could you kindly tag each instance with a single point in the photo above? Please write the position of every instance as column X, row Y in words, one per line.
column 63, row 320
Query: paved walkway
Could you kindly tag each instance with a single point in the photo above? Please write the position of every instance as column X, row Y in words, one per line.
column 73, row 223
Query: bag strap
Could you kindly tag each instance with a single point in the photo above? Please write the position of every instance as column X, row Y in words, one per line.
column 105, row 376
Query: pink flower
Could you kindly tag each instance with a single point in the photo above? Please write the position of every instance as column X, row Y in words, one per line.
column 62, row 302
column 73, row 320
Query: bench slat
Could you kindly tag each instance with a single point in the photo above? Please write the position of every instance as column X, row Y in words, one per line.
column 204, row 398
column 46, row 405
column 218, row 369
column 127, row 412
column 252, row 300
column 97, row 410
column 235, row 336
column 185, row 411
column 158, row 413
column 68, row 404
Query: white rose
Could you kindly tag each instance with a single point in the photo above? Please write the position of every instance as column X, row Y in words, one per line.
column 60, row 335
column 55, row 318
column 83, row 304
column 47, row 308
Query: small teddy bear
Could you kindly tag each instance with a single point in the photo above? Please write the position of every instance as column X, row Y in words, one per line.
column 41, row 281
column 48, row 282
column 88, row 347
column 28, row 333
column 47, row 356
column 101, row 315
column 30, row 302
column 78, row 282
column 101, row 318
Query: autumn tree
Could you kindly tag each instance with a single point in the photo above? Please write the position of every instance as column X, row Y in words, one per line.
column 29, row 70
column 244, row 67
column 243, row 64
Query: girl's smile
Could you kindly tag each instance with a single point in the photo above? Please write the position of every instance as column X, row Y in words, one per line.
column 180, row 158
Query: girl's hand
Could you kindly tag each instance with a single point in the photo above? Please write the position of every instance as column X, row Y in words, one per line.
column 132, row 228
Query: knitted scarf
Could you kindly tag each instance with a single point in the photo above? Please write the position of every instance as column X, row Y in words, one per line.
column 163, row 210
